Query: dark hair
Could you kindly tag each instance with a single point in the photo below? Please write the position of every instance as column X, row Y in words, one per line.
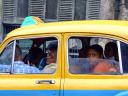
column 112, row 45
column 114, row 49
column 97, row 48
column 35, row 55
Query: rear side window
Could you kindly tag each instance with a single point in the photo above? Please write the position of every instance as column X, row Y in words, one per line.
column 96, row 56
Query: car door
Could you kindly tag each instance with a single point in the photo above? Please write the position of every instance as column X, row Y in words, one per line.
column 30, row 84
column 79, row 82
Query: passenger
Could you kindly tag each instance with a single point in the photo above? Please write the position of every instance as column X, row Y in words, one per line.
column 111, row 51
column 20, row 66
column 34, row 56
column 51, row 58
column 78, row 65
column 95, row 57
column 94, row 53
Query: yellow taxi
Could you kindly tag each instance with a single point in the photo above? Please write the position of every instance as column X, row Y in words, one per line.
column 79, row 58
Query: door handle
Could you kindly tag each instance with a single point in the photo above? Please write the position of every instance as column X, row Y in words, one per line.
column 45, row 82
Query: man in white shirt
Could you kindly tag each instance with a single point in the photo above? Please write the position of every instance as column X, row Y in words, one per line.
column 51, row 58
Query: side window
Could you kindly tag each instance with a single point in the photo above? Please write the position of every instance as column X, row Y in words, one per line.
column 6, row 59
column 95, row 55
column 36, row 55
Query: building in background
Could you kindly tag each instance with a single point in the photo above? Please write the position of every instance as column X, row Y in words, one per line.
column 14, row 11
column 1, row 33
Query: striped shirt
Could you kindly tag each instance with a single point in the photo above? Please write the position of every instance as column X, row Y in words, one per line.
column 19, row 67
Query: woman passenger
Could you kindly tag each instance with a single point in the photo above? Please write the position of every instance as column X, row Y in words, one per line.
column 95, row 57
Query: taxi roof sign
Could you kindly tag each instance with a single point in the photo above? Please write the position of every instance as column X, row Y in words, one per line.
column 31, row 20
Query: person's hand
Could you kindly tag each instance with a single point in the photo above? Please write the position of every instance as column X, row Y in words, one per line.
column 30, row 64
column 112, row 69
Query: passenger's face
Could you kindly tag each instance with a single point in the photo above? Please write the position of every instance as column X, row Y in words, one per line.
column 51, row 58
column 93, row 56
column 108, row 51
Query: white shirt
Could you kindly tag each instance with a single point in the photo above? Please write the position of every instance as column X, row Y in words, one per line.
column 50, row 68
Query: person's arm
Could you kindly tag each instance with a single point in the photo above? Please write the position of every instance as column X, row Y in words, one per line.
column 102, row 67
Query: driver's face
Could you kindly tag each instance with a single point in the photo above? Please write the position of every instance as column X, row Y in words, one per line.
column 51, row 58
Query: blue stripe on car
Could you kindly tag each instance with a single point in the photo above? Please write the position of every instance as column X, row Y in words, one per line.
column 66, row 93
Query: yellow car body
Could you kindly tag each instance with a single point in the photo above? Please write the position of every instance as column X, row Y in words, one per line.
column 65, row 83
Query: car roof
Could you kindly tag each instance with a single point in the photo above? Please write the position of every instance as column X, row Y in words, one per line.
column 112, row 27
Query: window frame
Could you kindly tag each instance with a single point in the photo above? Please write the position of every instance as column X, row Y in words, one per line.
column 13, row 56
column 120, row 57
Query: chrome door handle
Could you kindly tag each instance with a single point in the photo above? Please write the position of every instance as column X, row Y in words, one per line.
column 45, row 82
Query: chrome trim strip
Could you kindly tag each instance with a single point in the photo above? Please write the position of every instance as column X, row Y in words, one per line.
column 120, row 59
column 13, row 56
